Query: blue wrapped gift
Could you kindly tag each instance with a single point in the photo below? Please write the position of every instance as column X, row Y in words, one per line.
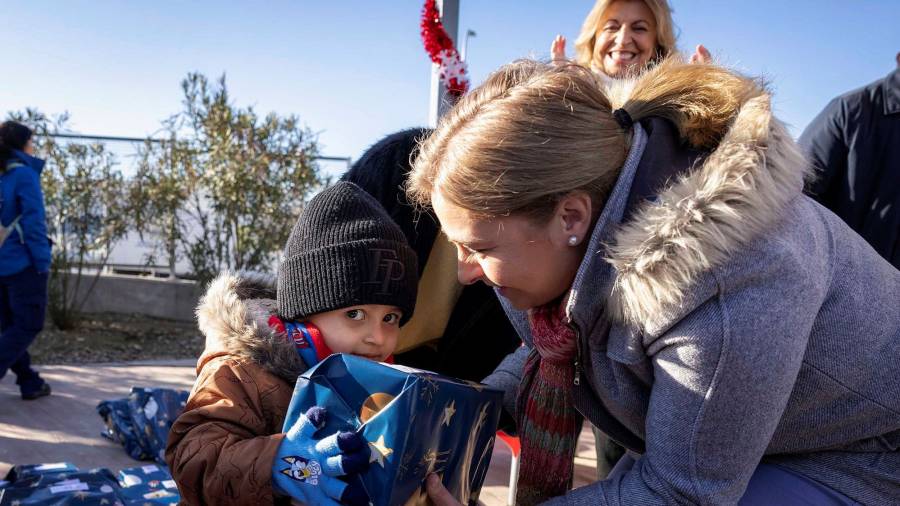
column 416, row 423
column 141, row 422
column 120, row 429
column 24, row 471
column 153, row 411
column 85, row 488
column 150, row 484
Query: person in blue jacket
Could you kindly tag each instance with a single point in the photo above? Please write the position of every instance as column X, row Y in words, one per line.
column 24, row 257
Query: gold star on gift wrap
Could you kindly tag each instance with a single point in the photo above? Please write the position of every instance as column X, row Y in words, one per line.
column 433, row 461
column 474, row 384
column 449, row 411
column 379, row 451
column 482, row 417
column 429, row 389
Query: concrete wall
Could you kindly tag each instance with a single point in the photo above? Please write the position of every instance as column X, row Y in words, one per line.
column 161, row 298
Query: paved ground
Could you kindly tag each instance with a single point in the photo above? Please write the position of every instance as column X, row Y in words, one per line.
column 66, row 427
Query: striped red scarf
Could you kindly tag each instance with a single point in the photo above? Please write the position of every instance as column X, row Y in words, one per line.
column 548, row 422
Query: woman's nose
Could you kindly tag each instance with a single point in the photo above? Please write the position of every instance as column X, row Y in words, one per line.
column 468, row 272
column 623, row 35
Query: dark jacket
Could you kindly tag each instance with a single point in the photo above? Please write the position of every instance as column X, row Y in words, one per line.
column 478, row 334
column 20, row 184
column 854, row 144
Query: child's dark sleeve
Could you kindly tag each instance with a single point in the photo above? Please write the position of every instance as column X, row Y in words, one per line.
column 221, row 448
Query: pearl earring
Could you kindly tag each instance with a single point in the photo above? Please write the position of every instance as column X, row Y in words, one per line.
column 573, row 240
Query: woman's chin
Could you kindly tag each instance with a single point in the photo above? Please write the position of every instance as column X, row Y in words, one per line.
column 522, row 301
column 621, row 69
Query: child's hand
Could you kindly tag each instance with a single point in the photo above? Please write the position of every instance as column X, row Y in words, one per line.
column 558, row 50
column 307, row 469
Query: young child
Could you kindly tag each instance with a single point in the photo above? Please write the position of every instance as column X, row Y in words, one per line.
column 346, row 283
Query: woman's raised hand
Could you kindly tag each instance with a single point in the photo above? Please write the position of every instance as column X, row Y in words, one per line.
column 558, row 50
column 701, row 55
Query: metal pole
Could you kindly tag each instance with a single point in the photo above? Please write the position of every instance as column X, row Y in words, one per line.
column 440, row 101
column 465, row 47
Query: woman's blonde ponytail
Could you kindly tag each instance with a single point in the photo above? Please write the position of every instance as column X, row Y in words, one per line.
column 700, row 100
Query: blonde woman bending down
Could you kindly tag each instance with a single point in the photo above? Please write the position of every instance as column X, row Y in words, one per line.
column 681, row 293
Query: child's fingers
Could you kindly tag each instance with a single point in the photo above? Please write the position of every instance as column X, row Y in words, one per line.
column 317, row 416
column 307, row 425
column 346, row 463
column 303, row 429
column 341, row 442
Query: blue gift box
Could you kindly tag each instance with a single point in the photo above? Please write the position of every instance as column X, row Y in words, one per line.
column 154, row 410
column 141, row 422
column 120, row 429
column 416, row 423
column 25, row 471
column 150, row 484
column 85, row 488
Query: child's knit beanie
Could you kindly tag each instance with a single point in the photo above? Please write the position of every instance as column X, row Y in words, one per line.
column 344, row 251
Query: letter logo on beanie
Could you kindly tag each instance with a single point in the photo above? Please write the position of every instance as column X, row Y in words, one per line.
column 387, row 269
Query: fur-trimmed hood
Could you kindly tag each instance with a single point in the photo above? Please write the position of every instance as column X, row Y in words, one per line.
column 702, row 217
column 234, row 314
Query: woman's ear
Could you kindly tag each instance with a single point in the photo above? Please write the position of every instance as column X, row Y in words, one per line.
column 572, row 220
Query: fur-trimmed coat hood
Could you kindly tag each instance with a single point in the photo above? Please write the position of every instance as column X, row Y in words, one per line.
column 233, row 316
column 703, row 214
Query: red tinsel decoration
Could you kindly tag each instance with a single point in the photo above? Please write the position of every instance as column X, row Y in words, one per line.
column 442, row 52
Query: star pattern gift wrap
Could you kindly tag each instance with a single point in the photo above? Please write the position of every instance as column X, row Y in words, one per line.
column 84, row 488
column 141, row 422
column 148, row 485
column 416, row 422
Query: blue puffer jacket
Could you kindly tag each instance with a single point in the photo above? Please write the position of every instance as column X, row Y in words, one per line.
column 21, row 194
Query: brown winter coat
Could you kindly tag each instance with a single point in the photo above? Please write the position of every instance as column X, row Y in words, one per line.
column 221, row 448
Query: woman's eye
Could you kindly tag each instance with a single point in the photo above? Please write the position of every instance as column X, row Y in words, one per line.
column 356, row 314
column 391, row 318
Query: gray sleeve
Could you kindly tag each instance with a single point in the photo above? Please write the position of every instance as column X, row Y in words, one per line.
column 722, row 378
column 508, row 375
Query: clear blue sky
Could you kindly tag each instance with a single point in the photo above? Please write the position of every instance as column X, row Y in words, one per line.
column 355, row 70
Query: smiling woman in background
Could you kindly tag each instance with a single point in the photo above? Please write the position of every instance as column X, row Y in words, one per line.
column 623, row 37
